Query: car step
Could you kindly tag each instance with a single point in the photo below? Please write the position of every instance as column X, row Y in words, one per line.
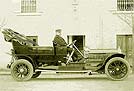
column 66, row 71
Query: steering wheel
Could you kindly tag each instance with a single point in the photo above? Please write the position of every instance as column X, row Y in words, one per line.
column 72, row 43
column 71, row 53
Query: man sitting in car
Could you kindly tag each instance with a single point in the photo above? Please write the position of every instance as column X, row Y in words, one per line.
column 60, row 42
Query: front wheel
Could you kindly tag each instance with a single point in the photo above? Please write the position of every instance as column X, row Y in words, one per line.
column 117, row 68
column 21, row 70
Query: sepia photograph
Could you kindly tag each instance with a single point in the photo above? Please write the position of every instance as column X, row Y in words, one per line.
column 66, row 45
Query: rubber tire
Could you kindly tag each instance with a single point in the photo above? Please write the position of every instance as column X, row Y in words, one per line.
column 36, row 74
column 115, row 59
column 28, row 64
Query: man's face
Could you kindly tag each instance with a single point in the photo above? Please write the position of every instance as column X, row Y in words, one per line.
column 58, row 33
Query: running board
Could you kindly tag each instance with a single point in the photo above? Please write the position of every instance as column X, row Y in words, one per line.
column 66, row 71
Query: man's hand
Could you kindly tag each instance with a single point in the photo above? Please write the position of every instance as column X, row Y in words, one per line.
column 68, row 45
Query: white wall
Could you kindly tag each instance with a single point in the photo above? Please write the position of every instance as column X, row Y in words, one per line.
column 93, row 19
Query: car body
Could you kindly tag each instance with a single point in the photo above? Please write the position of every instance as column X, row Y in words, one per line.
column 29, row 61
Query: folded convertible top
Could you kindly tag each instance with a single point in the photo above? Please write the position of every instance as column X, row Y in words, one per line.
column 11, row 35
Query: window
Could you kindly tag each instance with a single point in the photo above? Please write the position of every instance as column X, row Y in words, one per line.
column 125, row 5
column 28, row 6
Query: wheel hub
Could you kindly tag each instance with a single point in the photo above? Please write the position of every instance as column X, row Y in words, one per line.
column 117, row 69
column 21, row 70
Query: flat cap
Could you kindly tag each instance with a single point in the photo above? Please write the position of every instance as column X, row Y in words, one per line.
column 58, row 30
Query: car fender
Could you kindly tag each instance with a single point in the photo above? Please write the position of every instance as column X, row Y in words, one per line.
column 110, row 57
column 27, row 58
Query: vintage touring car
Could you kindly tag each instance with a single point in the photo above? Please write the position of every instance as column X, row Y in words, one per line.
column 29, row 61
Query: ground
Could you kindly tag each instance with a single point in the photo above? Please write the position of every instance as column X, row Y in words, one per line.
column 66, row 82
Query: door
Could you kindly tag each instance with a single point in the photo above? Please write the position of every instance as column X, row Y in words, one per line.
column 129, row 49
column 124, row 42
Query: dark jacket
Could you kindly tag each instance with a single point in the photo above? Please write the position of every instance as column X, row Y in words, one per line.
column 59, row 41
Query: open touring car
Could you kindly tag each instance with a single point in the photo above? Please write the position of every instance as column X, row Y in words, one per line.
column 29, row 61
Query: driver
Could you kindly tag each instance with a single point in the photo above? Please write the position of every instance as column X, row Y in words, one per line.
column 59, row 41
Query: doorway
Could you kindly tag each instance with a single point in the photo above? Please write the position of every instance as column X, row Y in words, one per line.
column 125, row 44
column 80, row 43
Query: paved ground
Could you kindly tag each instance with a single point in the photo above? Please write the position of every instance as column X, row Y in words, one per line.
column 66, row 82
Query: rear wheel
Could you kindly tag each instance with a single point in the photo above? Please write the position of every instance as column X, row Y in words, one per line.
column 36, row 74
column 117, row 68
column 21, row 70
